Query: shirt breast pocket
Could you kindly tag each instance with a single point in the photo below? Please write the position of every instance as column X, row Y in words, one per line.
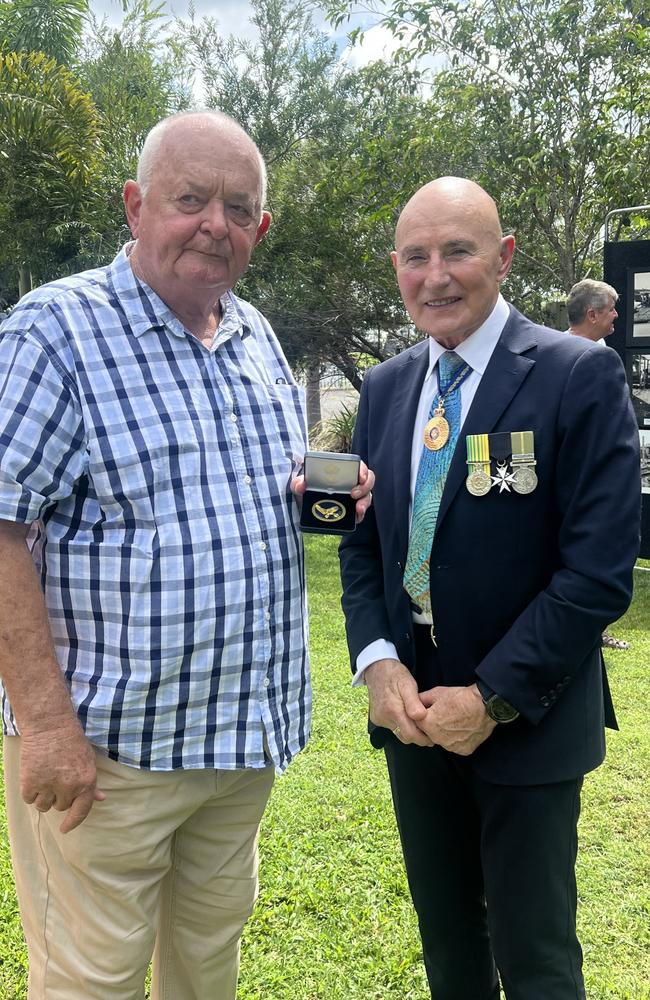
column 288, row 408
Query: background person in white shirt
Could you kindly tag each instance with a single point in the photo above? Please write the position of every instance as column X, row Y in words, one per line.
column 591, row 307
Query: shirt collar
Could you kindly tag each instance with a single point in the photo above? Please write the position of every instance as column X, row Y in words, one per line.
column 147, row 311
column 478, row 348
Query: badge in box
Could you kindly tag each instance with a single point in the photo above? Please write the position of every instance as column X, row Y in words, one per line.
column 327, row 507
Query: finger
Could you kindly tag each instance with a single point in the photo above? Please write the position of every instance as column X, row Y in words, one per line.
column 428, row 698
column 361, row 507
column 366, row 482
column 361, row 482
column 418, row 738
column 298, row 486
column 44, row 801
column 407, row 732
column 413, row 706
column 78, row 811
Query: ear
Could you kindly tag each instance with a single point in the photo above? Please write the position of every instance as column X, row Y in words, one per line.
column 505, row 256
column 132, row 198
column 263, row 227
column 393, row 258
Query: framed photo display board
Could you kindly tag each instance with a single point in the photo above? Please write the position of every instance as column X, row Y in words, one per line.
column 627, row 269
column 638, row 311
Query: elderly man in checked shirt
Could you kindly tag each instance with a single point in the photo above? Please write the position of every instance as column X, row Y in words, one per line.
column 156, row 674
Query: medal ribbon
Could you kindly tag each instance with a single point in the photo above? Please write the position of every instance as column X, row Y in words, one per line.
column 478, row 452
column 523, row 447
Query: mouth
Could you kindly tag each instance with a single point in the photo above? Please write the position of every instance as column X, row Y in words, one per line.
column 439, row 303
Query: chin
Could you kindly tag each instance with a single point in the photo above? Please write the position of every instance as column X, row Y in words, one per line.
column 202, row 277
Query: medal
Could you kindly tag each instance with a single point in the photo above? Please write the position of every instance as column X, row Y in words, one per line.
column 523, row 462
column 436, row 431
column 525, row 479
column 328, row 510
column 478, row 483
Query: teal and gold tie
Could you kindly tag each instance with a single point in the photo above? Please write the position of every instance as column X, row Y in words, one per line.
column 430, row 482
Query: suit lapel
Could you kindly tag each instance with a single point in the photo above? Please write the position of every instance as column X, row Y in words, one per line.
column 408, row 386
column 501, row 381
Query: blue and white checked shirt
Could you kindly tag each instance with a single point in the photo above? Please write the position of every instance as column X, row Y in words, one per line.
column 171, row 559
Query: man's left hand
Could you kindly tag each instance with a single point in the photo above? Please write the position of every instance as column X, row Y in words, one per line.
column 456, row 718
column 362, row 492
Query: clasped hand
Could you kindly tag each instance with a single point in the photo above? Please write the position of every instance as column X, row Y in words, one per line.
column 450, row 717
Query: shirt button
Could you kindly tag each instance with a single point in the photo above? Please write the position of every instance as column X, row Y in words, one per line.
column 263, row 546
column 248, row 480
column 267, row 615
column 266, row 682
column 233, row 417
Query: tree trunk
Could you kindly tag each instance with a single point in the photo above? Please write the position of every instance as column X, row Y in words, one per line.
column 24, row 280
column 313, row 394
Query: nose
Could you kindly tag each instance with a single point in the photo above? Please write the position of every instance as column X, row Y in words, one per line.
column 437, row 272
column 214, row 221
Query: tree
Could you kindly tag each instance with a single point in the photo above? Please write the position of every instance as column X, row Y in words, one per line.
column 567, row 86
column 283, row 88
column 135, row 75
column 323, row 274
column 51, row 154
column 50, row 26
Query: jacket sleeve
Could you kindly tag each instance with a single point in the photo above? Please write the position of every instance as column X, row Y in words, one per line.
column 362, row 577
column 597, row 488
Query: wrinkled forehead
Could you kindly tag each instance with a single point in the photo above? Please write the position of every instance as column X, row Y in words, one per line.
column 433, row 218
column 213, row 160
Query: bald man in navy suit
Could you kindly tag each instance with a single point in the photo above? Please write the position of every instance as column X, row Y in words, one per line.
column 500, row 544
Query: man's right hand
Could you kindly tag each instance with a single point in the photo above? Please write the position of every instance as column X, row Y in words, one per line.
column 394, row 701
column 58, row 771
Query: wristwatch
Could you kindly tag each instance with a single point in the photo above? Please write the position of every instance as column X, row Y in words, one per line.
column 496, row 707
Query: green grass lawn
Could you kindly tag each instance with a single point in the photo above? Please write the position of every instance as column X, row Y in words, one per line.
column 334, row 919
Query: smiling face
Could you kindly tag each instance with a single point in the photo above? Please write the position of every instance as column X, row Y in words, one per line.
column 199, row 217
column 450, row 259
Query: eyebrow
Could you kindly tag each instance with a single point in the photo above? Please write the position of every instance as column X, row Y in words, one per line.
column 449, row 245
column 412, row 248
column 203, row 189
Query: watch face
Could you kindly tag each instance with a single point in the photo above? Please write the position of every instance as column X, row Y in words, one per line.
column 500, row 710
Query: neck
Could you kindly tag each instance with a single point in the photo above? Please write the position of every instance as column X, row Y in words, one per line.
column 199, row 314
column 581, row 330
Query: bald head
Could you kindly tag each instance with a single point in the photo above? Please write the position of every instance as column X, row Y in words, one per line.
column 191, row 127
column 463, row 197
column 450, row 258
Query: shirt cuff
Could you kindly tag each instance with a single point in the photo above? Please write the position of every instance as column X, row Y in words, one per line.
column 380, row 649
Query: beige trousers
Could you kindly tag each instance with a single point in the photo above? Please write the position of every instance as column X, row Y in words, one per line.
column 167, row 864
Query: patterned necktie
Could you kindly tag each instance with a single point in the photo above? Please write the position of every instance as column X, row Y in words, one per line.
column 430, row 482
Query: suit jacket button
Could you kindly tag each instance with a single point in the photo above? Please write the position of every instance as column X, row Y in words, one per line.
column 566, row 680
column 545, row 701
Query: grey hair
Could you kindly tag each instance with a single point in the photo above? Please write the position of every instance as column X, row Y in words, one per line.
column 153, row 141
column 588, row 294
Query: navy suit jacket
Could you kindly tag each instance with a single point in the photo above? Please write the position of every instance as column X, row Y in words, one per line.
column 521, row 586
